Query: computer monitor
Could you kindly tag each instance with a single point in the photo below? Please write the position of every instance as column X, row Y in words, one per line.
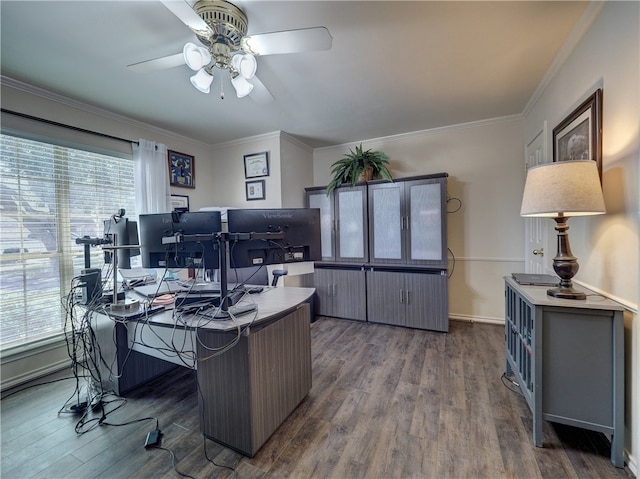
column 299, row 226
column 122, row 232
column 187, row 254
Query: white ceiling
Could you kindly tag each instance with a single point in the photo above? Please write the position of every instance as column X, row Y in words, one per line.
column 394, row 66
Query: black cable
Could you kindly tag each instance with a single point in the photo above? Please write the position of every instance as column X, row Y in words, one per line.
column 173, row 461
column 204, row 438
column 86, row 355
column 459, row 204
column 133, row 421
column 5, row 396
column 453, row 266
column 504, row 377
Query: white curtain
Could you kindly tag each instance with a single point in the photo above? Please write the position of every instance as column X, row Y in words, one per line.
column 153, row 194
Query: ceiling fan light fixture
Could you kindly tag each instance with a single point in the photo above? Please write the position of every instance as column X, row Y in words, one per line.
column 202, row 80
column 196, row 57
column 241, row 85
column 245, row 64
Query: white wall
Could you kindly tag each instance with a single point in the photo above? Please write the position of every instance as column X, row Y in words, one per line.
column 290, row 171
column 227, row 180
column 484, row 161
column 297, row 171
column 608, row 247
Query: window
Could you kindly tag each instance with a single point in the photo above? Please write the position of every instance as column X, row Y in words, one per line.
column 49, row 196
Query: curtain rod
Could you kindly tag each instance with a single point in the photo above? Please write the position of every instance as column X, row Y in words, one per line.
column 69, row 127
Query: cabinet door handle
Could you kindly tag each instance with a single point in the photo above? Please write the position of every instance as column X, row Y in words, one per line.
column 402, row 296
column 408, row 297
column 539, row 252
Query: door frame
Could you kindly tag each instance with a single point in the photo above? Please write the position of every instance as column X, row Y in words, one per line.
column 536, row 230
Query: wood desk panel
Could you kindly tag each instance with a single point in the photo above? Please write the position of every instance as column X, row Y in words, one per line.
column 251, row 389
column 247, row 391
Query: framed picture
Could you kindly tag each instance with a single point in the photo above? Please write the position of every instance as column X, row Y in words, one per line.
column 180, row 203
column 256, row 165
column 182, row 169
column 255, row 190
column 579, row 136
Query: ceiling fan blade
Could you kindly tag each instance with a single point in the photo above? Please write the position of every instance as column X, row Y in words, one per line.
column 188, row 16
column 161, row 63
column 288, row 41
column 260, row 94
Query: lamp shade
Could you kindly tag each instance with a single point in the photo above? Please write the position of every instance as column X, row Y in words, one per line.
column 242, row 86
column 202, row 80
column 196, row 57
column 245, row 64
column 564, row 188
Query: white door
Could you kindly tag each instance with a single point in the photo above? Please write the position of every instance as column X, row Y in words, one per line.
column 535, row 229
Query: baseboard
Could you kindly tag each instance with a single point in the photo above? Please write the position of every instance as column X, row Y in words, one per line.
column 632, row 464
column 476, row 319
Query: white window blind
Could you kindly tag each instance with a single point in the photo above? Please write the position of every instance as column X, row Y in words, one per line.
column 50, row 195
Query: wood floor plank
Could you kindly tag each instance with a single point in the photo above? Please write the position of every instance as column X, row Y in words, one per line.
column 386, row 402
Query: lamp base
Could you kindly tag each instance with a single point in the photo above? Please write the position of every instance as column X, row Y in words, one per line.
column 566, row 293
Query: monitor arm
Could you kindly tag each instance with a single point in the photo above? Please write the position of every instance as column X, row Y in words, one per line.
column 223, row 240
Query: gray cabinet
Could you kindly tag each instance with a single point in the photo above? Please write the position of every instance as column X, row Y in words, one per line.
column 568, row 358
column 396, row 233
column 340, row 293
column 343, row 218
column 408, row 222
column 415, row 299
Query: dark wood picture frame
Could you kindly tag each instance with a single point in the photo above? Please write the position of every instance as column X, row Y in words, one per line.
column 579, row 135
column 255, row 190
column 182, row 169
column 256, row 165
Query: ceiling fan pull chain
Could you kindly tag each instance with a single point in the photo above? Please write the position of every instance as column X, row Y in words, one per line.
column 221, row 89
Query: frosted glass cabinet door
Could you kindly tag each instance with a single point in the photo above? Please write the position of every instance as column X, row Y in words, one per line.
column 385, row 205
column 352, row 224
column 407, row 222
column 427, row 223
column 320, row 200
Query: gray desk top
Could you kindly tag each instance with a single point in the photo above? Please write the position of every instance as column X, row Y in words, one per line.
column 537, row 295
column 271, row 303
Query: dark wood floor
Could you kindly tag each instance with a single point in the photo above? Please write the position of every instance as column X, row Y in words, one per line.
column 386, row 402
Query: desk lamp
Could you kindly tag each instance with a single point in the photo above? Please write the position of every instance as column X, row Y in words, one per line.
column 561, row 190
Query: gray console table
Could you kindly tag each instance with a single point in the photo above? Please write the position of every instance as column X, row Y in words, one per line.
column 568, row 358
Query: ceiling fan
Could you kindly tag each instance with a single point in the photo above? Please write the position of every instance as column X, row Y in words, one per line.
column 221, row 28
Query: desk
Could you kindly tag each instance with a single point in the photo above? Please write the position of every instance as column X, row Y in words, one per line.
column 248, row 391
column 567, row 355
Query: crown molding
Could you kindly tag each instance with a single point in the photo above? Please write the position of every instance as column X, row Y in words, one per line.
column 432, row 131
column 297, row 142
column 247, row 140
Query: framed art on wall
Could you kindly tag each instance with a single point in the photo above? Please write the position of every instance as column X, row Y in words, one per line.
column 255, row 190
column 579, row 135
column 256, row 165
column 180, row 203
column 182, row 169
